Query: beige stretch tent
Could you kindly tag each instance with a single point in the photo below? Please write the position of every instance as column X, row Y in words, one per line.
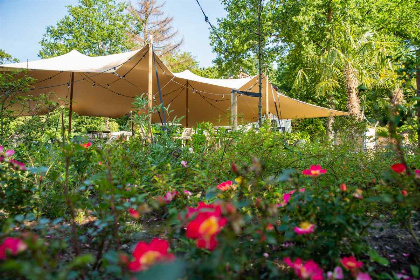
column 107, row 85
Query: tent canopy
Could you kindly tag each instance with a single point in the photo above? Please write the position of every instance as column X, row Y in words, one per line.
column 107, row 85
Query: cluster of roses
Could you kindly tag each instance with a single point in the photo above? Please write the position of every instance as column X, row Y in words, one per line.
column 5, row 156
column 316, row 170
column 400, row 168
column 11, row 246
column 204, row 223
column 311, row 270
column 207, row 222
column 86, row 145
column 304, row 227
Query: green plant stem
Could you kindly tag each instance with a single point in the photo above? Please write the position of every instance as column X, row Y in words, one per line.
column 114, row 213
column 71, row 208
column 100, row 252
column 409, row 227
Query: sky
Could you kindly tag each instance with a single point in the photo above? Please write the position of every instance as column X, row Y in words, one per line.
column 23, row 23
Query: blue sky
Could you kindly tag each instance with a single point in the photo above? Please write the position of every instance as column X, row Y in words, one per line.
column 23, row 22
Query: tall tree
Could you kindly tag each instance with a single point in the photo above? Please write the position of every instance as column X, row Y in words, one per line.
column 401, row 19
column 247, row 34
column 336, row 46
column 150, row 20
column 235, row 40
column 93, row 27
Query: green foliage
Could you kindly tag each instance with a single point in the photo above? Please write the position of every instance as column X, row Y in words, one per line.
column 94, row 27
column 78, row 208
column 312, row 44
column 180, row 61
column 238, row 50
column 6, row 58
column 105, row 180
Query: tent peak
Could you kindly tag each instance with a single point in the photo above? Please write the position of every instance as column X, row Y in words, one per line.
column 74, row 51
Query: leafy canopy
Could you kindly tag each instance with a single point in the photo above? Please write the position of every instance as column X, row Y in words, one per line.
column 93, row 27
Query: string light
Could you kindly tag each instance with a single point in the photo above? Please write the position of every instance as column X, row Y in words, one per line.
column 96, row 74
column 117, row 93
column 107, row 87
column 49, row 78
column 166, row 94
column 202, row 91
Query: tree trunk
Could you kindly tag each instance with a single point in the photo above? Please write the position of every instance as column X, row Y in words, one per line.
column 353, row 102
column 107, row 124
column 331, row 133
column 397, row 97
column 330, row 123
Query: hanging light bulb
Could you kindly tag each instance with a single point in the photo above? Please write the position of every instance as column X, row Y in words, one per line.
column 93, row 84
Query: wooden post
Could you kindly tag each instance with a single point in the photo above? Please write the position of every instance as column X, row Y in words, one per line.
column 186, row 105
column 150, row 85
column 71, row 102
column 132, row 123
column 234, row 109
column 267, row 108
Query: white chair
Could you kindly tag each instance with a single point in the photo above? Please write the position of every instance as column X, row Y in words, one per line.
column 185, row 136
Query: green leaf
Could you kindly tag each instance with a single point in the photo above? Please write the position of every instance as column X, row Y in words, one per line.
column 415, row 270
column 38, row 170
column 168, row 271
column 285, row 175
column 378, row 258
column 211, row 194
column 82, row 260
column 19, row 218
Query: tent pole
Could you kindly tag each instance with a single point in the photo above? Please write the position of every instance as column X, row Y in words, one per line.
column 63, row 129
column 234, row 109
column 186, row 105
column 150, row 85
column 71, row 102
column 267, row 108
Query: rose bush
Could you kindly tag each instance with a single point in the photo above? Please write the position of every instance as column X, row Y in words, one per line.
column 218, row 213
